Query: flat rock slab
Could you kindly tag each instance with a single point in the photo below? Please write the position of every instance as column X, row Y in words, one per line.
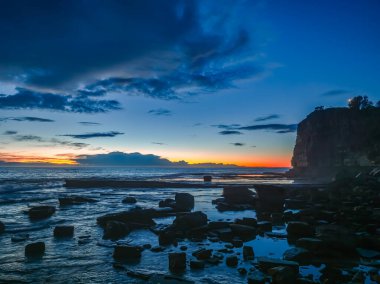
column 266, row 263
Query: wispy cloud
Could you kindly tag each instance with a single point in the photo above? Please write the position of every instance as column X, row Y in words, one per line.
column 94, row 135
column 268, row 117
column 238, row 144
column 10, row 132
column 48, row 142
column 336, row 92
column 89, row 123
column 160, row 112
column 230, row 132
column 25, row 118
column 158, row 143
column 278, row 128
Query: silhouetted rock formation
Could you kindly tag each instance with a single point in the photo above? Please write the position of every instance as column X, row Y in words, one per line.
column 336, row 138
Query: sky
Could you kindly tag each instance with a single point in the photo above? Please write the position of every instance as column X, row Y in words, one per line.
column 176, row 82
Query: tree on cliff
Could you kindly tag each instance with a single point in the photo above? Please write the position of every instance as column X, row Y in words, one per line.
column 359, row 102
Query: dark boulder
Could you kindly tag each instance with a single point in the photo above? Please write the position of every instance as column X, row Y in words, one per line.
column 248, row 253
column 2, row 227
column 297, row 254
column 299, row 229
column 41, row 212
column 270, row 197
column 190, row 221
column 202, row 254
column 247, row 222
column 35, row 249
column 256, row 277
column 232, row 260
column 245, row 232
column 63, row 231
column 168, row 202
column 238, row 195
column 184, row 201
column 136, row 216
column 207, row 178
column 115, row 230
column 126, row 251
column 177, row 261
column 167, row 238
column 72, row 200
column 197, row 264
column 264, row 226
column 129, row 200
column 312, row 244
column 283, row 275
column 267, row 263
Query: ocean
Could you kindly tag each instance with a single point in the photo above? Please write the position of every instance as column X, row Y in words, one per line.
column 87, row 258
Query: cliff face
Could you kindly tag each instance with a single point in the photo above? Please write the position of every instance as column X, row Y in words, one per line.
column 332, row 139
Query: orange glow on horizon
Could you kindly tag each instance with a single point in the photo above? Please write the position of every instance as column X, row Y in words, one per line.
column 69, row 159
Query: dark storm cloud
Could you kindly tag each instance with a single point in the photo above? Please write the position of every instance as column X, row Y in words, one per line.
column 199, row 46
column 238, row 144
column 126, row 159
column 278, row 128
column 26, row 118
column 336, row 92
column 10, row 132
column 230, row 132
column 94, row 135
column 160, row 111
column 268, row 117
column 30, row 99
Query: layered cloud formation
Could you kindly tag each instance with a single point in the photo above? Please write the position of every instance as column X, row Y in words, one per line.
column 68, row 56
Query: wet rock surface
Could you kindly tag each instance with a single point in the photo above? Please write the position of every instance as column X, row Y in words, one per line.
column 332, row 232
column 41, row 212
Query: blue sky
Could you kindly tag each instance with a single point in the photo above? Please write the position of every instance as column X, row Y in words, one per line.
column 201, row 81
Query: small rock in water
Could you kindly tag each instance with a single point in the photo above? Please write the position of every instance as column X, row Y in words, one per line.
column 129, row 200
column 207, row 178
column 190, row 220
column 197, row 264
column 297, row 254
column 72, row 200
column 147, row 246
column 256, row 277
column 157, row 249
column 64, row 231
column 232, row 260
column 282, row 274
column 2, row 227
column 183, row 248
column 299, row 229
column 41, row 212
column 115, row 230
column 184, row 201
column 202, row 254
column 177, row 261
column 35, row 249
column 126, row 251
column 248, row 253
column 264, row 226
column 19, row 238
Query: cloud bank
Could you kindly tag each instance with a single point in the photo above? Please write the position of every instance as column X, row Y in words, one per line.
column 94, row 135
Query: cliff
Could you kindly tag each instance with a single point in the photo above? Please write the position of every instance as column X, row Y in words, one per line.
column 334, row 139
